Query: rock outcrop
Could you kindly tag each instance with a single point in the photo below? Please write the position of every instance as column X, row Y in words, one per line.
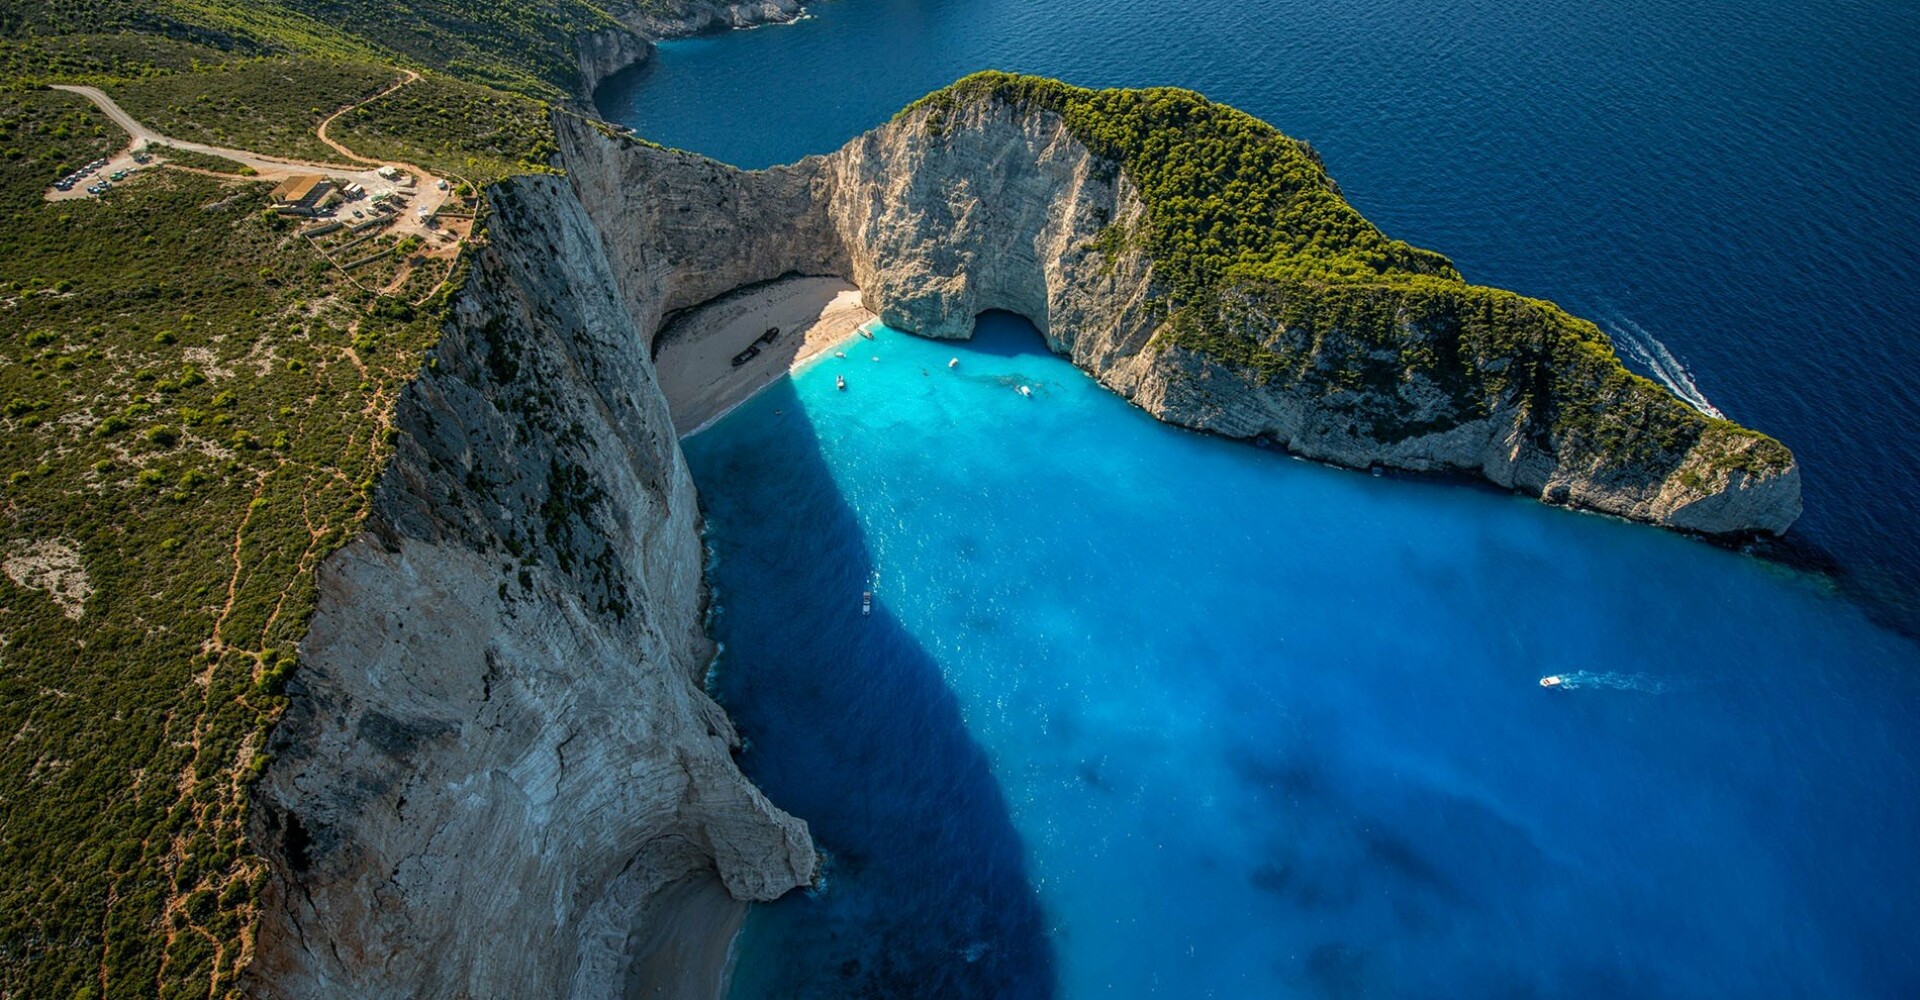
column 498, row 748
column 499, row 767
column 606, row 52
column 959, row 208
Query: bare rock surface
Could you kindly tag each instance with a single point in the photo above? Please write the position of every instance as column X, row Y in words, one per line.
column 603, row 53
column 999, row 208
column 499, row 775
column 498, row 748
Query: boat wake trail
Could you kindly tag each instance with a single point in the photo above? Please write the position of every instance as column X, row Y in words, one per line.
column 1610, row 679
column 1647, row 350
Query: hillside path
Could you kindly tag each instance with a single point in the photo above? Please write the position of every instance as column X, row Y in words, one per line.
column 426, row 194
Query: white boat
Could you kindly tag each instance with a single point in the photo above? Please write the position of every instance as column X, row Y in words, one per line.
column 839, row 354
column 1552, row 681
column 864, row 332
column 866, row 602
column 1024, row 391
column 840, row 382
column 955, row 363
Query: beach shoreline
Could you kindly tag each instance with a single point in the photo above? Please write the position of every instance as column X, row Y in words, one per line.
column 695, row 352
column 687, row 947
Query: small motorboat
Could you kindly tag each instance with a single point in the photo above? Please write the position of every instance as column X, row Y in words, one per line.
column 1025, row 391
column 866, row 602
column 864, row 332
column 955, row 363
column 1552, row 681
column 840, row 382
column 839, row 354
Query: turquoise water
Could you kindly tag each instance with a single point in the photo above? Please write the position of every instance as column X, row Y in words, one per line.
column 1140, row 712
column 1731, row 189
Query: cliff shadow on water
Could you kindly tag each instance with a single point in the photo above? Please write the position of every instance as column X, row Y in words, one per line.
column 849, row 723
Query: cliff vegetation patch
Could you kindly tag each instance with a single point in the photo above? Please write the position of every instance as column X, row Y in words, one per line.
column 193, row 405
column 1266, row 268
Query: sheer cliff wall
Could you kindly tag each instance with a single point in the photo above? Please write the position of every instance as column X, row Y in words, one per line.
column 997, row 207
column 498, row 749
column 498, row 755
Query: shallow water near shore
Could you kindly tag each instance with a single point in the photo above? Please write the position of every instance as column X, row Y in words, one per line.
column 1728, row 189
column 1140, row 712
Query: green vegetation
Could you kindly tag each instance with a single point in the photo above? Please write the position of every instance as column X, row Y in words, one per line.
column 524, row 46
column 195, row 399
column 1270, row 270
column 1226, row 190
column 193, row 160
column 454, row 127
column 267, row 106
column 194, row 404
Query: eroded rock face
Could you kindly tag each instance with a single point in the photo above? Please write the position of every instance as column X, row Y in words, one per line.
column 498, row 753
column 498, row 748
column 997, row 208
column 604, row 53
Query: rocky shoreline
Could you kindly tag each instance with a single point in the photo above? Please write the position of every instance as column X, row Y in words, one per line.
column 1004, row 209
column 500, row 711
column 602, row 54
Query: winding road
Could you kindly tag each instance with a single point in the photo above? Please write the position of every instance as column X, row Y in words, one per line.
column 426, row 194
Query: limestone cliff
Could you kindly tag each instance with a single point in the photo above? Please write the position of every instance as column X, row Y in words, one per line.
column 498, row 749
column 604, row 53
column 499, row 768
column 987, row 201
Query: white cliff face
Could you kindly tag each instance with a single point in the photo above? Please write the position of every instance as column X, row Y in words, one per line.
column 992, row 207
column 681, row 229
column 498, row 749
column 498, row 760
column 603, row 53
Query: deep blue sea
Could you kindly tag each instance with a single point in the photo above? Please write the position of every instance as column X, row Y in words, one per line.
column 1731, row 189
column 1144, row 713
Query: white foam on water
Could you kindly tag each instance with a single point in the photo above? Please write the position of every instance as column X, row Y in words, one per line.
column 1611, row 679
column 1651, row 354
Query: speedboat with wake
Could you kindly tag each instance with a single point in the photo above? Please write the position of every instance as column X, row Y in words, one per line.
column 1552, row 681
column 866, row 602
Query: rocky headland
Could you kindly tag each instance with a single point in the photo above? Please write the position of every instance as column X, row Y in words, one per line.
column 499, row 771
column 603, row 53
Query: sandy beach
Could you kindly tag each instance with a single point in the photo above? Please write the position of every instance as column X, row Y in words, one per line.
column 696, row 350
column 686, row 951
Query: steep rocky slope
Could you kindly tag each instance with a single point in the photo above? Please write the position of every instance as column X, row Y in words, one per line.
column 603, row 53
column 1353, row 349
column 499, row 766
column 498, row 750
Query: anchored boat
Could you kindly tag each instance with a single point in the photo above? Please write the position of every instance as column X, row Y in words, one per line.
column 840, row 382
